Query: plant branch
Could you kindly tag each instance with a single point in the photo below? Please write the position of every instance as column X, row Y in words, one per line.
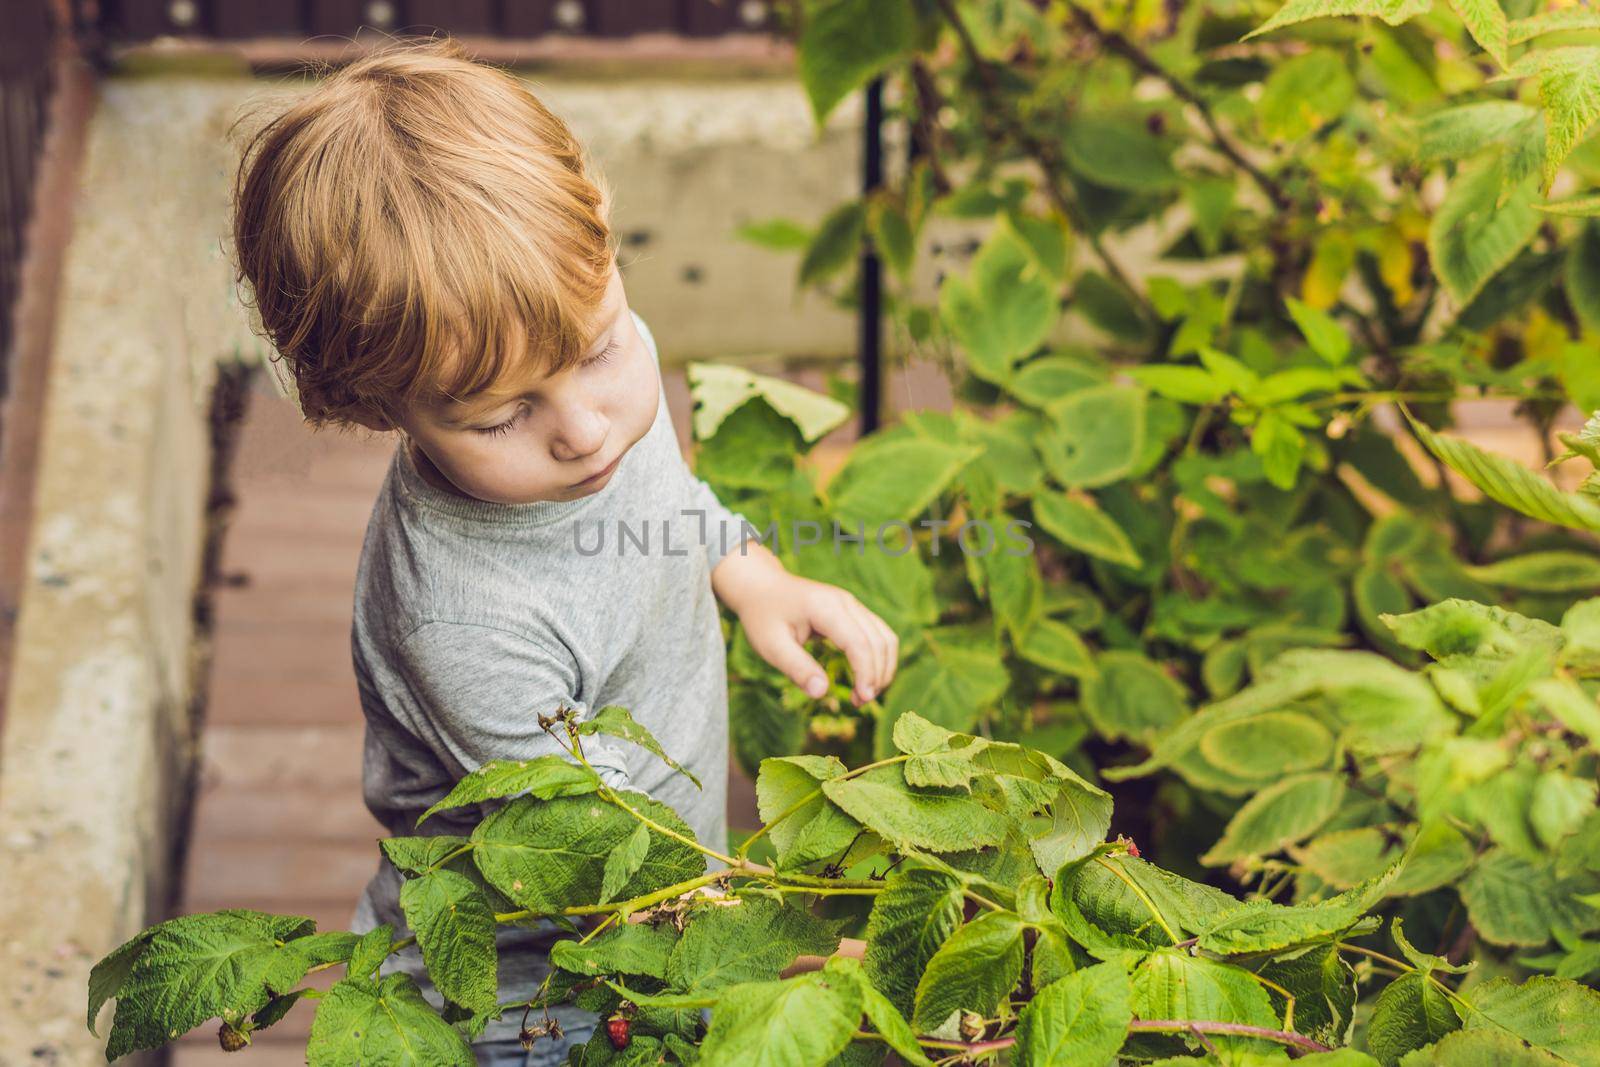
column 1150, row 1026
column 1142, row 61
column 1045, row 156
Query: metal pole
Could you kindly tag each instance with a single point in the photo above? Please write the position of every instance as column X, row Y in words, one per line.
column 870, row 314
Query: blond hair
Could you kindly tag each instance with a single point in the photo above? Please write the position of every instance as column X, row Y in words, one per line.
column 418, row 227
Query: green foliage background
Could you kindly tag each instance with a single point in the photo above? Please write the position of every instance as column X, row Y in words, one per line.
column 1267, row 747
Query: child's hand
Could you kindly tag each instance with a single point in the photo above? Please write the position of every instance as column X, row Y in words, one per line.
column 781, row 611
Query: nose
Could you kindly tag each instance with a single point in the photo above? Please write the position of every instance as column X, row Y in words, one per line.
column 580, row 430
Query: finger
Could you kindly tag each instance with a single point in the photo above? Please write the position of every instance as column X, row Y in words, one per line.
column 891, row 650
column 780, row 648
column 841, row 626
column 877, row 635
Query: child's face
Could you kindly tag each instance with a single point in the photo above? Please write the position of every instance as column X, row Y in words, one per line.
column 551, row 437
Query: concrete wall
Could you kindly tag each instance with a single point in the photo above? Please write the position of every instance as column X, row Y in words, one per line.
column 98, row 737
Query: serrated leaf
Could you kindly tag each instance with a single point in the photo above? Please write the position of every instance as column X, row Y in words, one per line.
column 717, row 390
column 198, row 967
column 895, row 478
column 1480, row 1048
column 1112, row 903
column 1324, row 987
column 811, row 827
column 1080, row 1019
column 370, row 952
column 623, row 863
column 616, row 721
column 107, row 976
column 1080, row 817
column 890, row 1023
column 543, row 777
column 1055, row 646
column 883, row 802
column 1095, row 436
column 387, row 1022
column 1510, row 483
column 1486, row 21
column 1268, row 746
column 1078, row 523
column 1003, row 310
column 1569, row 90
column 1131, row 696
column 455, row 929
column 1514, row 901
column 913, row 916
column 976, row 966
column 549, row 855
column 750, row 940
column 415, row 855
column 1041, row 382
column 1410, row 1013
column 626, row 948
column 1282, row 814
column 1393, row 12
column 1261, row 926
column 800, row 1022
column 1546, row 572
column 1553, row 1014
column 1473, row 235
column 1171, row 984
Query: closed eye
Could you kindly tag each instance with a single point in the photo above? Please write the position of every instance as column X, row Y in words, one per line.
column 500, row 429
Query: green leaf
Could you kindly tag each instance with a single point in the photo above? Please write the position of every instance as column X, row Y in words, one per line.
column 1583, row 292
column 803, row 1021
column 836, row 244
column 1569, row 90
column 543, row 777
column 1170, row 984
column 1581, row 207
column 626, row 948
column 1473, row 235
column 889, row 1022
column 1514, row 901
column 950, row 682
column 844, row 43
column 893, row 478
column 1325, row 336
column 1095, row 436
column 979, row 964
column 1113, row 902
column 1056, row 647
column 1118, row 153
column 1324, row 988
column 1303, row 94
column 549, row 855
column 1078, row 523
column 1041, row 382
column 1394, row 12
column 1080, row 1019
column 107, row 976
column 1569, row 705
column 1486, row 21
column 1281, row 814
column 913, row 916
column 745, row 940
column 624, row 862
column 1186, row 384
column 455, row 930
column 387, row 1022
column 780, row 235
column 811, row 827
column 1510, row 483
column 1410, row 1013
column 1268, row 746
column 370, row 952
column 199, row 967
column 884, row 803
column 1080, row 816
column 893, row 237
column 415, row 855
column 1261, row 926
column 1480, row 1048
column 1553, row 1014
column 1132, row 697
column 717, row 390
column 616, row 721
column 1003, row 310
column 1560, row 804
column 1543, row 572
column 1281, row 447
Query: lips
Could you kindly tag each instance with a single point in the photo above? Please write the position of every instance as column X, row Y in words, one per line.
column 598, row 475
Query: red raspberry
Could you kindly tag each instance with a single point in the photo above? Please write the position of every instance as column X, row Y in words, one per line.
column 618, row 1030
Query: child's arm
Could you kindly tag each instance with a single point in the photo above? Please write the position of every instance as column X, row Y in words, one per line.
column 780, row 611
column 475, row 693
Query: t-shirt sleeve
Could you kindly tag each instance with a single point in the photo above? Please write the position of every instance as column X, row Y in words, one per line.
column 725, row 530
column 479, row 691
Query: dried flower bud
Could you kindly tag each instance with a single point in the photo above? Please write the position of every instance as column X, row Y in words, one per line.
column 231, row 1039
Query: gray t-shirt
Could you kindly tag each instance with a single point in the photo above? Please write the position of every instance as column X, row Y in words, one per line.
column 473, row 618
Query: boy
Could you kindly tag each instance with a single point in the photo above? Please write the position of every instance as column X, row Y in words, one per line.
column 429, row 254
